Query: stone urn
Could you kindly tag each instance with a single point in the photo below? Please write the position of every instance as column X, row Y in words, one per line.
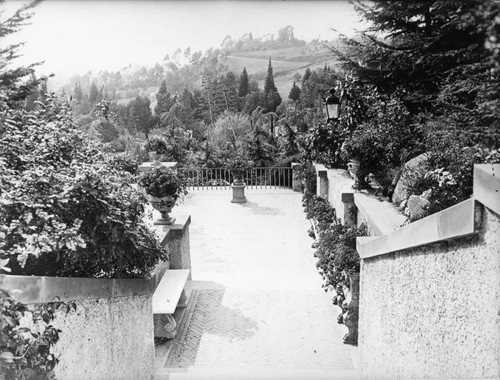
column 164, row 205
column 353, row 167
column 357, row 173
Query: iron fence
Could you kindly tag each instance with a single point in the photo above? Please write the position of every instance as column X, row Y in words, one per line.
column 221, row 178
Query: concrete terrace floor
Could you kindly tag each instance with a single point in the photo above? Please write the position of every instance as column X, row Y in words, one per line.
column 256, row 308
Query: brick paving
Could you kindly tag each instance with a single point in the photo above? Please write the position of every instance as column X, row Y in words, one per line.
column 256, row 298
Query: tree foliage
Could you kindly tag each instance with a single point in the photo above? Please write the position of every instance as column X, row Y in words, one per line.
column 65, row 210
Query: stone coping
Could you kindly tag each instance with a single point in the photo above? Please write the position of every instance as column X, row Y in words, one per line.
column 175, row 230
column 41, row 289
column 381, row 216
column 456, row 221
column 486, row 186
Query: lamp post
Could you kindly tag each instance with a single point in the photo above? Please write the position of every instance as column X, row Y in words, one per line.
column 332, row 105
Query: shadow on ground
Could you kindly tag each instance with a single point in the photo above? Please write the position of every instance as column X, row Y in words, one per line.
column 207, row 315
column 263, row 211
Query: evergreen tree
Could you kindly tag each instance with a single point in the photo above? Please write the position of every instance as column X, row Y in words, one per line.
column 16, row 83
column 269, row 82
column 141, row 115
column 294, row 93
column 230, row 91
column 164, row 100
column 306, row 76
column 94, row 95
column 273, row 98
column 243, row 88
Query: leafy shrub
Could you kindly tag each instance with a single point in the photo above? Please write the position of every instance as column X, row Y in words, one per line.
column 336, row 252
column 64, row 211
column 161, row 182
column 24, row 353
column 319, row 209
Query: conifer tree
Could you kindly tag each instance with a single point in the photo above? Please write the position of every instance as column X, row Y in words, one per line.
column 94, row 94
column 294, row 93
column 272, row 97
column 16, row 83
column 164, row 100
column 243, row 88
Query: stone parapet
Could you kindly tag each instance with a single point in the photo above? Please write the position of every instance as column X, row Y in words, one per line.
column 430, row 292
column 109, row 335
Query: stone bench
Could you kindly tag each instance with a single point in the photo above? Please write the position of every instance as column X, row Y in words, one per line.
column 168, row 296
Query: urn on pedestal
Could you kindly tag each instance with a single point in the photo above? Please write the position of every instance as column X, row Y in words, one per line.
column 165, row 188
column 238, row 166
column 157, row 149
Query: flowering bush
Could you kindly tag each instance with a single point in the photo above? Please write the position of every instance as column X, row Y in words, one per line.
column 162, row 182
column 64, row 210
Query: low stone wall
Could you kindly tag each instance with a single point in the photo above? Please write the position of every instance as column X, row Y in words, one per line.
column 430, row 293
column 335, row 185
column 108, row 336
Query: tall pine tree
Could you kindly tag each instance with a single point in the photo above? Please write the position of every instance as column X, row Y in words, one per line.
column 272, row 97
column 243, row 88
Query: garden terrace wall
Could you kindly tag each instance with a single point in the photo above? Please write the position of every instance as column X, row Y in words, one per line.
column 356, row 207
column 430, row 292
column 108, row 336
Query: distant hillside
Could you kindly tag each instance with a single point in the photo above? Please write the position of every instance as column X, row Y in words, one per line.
column 286, row 63
column 289, row 57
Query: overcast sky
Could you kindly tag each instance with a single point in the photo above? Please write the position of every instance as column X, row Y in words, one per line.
column 77, row 36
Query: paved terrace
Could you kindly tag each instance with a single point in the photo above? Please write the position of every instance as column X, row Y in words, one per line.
column 256, row 309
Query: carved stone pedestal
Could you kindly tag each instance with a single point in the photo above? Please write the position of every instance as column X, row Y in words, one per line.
column 351, row 315
column 238, row 192
column 165, row 325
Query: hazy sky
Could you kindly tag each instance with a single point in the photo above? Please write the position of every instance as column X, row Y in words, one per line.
column 76, row 36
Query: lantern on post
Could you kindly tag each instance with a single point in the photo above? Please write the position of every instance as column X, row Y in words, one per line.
column 332, row 105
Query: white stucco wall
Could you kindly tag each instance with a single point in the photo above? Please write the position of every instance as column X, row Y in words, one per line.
column 106, row 338
column 433, row 311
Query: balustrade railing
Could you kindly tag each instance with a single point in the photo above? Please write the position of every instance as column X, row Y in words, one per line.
column 221, row 178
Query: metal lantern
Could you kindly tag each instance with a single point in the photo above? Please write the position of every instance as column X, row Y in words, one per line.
column 332, row 104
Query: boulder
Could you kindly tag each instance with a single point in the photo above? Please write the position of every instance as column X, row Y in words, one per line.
column 414, row 168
